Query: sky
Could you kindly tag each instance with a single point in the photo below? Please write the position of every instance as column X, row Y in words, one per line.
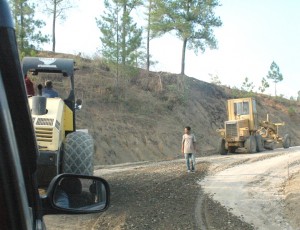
column 254, row 33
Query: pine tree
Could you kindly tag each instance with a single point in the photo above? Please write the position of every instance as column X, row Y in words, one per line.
column 247, row 85
column 120, row 37
column 57, row 9
column 192, row 20
column 109, row 25
column 29, row 37
column 214, row 79
column 264, row 85
column 274, row 74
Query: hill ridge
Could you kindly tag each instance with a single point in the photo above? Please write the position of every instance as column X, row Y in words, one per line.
column 140, row 116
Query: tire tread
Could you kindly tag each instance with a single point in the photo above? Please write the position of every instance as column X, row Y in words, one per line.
column 78, row 154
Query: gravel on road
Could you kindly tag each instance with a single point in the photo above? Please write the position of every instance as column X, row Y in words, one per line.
column 157, row 196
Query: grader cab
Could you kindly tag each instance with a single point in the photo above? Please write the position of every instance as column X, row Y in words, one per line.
column 243, row 130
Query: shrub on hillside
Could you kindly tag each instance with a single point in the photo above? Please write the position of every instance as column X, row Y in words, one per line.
column 291, row 111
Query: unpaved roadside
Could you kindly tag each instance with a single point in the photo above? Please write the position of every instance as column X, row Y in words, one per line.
column 255, row 191
column 160, row 196
column 292, row 200
column 152, row 196
column 163, row 195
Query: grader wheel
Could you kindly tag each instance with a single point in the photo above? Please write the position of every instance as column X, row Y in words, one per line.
column 286, row 142
column 250, row 144
column 259, row 143
column 221, row 147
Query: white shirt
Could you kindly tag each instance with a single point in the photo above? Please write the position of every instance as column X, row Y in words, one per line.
column 188, row 141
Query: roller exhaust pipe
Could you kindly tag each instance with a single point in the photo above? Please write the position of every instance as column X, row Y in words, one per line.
column 39, row 105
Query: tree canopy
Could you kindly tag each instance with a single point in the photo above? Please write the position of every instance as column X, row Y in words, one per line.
column 274, row 74
column 247, row 85
column 264, row 85
column 192, row 20
column 28, row 33
column 57, row 9
column 120, row 35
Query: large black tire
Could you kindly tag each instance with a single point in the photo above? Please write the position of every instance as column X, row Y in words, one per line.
column 250, row 144
column 221, row 147
column 78, row 154
column 259, row 143
column 272, row 145
column 286, row 142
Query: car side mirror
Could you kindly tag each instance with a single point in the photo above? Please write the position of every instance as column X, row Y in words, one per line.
column 77, row 194
column 78, row 104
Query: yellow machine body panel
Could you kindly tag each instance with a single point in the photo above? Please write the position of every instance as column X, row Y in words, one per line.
column 244, row 111
column 49, row 128
column 235, row 131
column 68, row 119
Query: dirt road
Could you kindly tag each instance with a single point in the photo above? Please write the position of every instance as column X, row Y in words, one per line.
column 241, row 191
column 255, row 190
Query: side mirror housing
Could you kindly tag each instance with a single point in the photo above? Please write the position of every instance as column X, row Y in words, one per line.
column 78, row 104
column 76, row 194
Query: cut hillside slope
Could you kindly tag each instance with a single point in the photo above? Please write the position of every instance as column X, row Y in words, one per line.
column 141, row 117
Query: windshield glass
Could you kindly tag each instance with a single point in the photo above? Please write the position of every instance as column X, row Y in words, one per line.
column 62, row 85
column 241, row 108
column 254, row 106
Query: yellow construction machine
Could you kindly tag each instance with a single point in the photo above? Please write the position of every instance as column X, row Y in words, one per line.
column 243, row 130
column 62, row 149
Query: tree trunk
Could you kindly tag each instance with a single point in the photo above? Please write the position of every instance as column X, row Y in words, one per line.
column 148, row 36
column 188, row 5
column 275, row 90
column 148, row 47
column 53, row 26
column 183, row 56
column 118, row 55
column 22, row 32
column 124, row 34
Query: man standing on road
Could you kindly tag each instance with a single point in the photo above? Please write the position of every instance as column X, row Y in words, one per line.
column 188, row 148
